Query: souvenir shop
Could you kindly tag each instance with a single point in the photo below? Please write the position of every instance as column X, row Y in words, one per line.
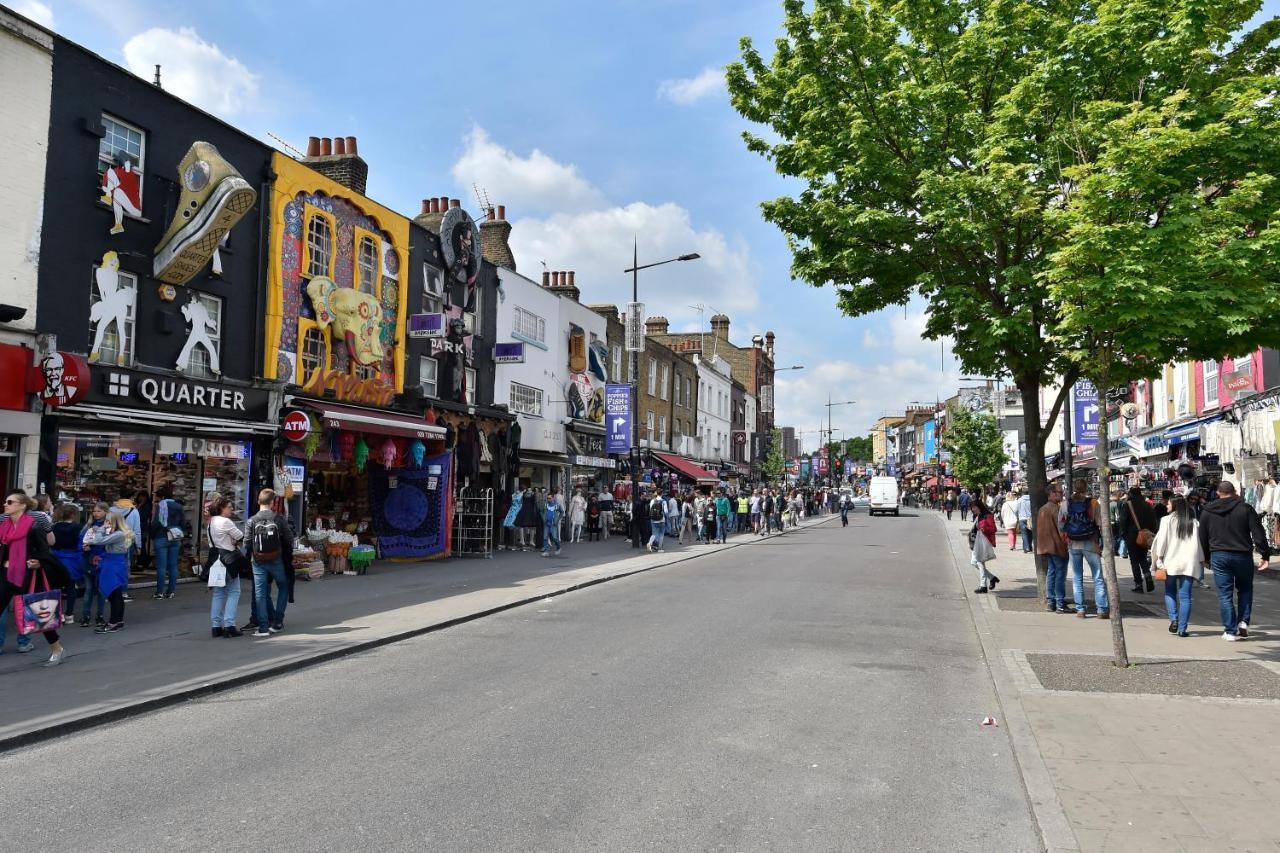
column 366, row 478
column 679, row 474
column 590, row 468
column 136, row 432
column 1246, row 440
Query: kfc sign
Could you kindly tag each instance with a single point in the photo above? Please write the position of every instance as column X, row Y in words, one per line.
column 60, row 379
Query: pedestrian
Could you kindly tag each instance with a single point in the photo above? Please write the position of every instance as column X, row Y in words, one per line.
column 1084, row 544
column 1117, row 536
column 1230, row 531
column 28, row 564
column 657, row 522
column 709, row 525
column 67, row 550
column 687, row 523
column 553, row 518
column 593, row 517
column 224, row 539
column 577, row 515
column 605, row 499
column 116, row 539
column 743, row 507
column 700, row 518
column 766, row 513
column 949, row 504
column 673, row 514
column 723, row 510
column 1009, row 520
column 527, row 520
column 1024, row 520
column 845, row 502
column 270, row 538
column 753, row 505
column 963, row 502
column 1051, row 543
column 167, row 530
column 1176, row 552
column 982, row 538
column 1137, row 528
column 92, row 557
column 127, row 509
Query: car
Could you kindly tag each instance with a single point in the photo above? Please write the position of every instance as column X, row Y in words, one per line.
column 861, row 502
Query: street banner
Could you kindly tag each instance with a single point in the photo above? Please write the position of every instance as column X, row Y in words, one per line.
column 804, row 468
column 1011, row 450
column 617, row 418
column 930, row 441
column 1085, row 414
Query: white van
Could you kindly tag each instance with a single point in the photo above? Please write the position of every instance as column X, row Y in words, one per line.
column 884, row 495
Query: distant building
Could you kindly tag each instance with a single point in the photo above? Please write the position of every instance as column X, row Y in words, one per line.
column 790, row 446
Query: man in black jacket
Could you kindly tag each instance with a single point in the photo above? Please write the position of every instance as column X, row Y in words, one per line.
column 1229, row 532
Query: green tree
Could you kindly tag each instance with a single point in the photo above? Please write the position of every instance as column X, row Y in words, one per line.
column 976, row 445
column 775, row 464
column 1170, row 248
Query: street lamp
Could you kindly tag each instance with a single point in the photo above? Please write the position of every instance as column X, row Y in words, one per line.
column 633, row 315
column 830, row 405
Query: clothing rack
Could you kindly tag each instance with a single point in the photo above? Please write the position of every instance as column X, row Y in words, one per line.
column 473, row 523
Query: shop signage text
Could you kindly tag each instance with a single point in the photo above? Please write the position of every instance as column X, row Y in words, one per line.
column 296, row 425
column 617, row 418
column 591, row 461
column 425, row 326
column 60, row 379
column 512, row 353
column 116, row 385
column 351, row 389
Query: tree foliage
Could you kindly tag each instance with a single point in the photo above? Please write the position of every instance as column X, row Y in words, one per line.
column 775, row 463
column 976, row 445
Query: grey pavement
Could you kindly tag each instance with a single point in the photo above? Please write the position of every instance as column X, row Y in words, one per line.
column 822, row 691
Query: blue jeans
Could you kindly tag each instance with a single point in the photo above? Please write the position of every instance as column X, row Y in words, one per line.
column 550, row 537
column 264, row 573
column 659, row 531
column 1078, row 558
column 1177, row 599
column 1233, row 575
column 92, row 598
column 166, row 552
column 1056, row 585
column 5, row 620
column 722, row 527
column 226, row 599
column 1025, row 529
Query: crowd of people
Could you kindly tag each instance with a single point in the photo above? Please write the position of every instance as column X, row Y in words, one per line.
column 1166, row 537
column 61, row 569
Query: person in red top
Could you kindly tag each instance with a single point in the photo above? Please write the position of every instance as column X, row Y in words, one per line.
column 984, row 546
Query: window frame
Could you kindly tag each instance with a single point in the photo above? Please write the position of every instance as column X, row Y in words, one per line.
column 206, row 372
column 523, row 316
column 140, row 168
column 305, row 325
column 534, row 395
column 435, row 376
column 664, row 389
column 130, row 322
column 653, row 377
column 662, row 429
column 1210, row 381
column 359, row 236
column 648, row 425
column 469, row 377
column 309, row 213
column 615, row 362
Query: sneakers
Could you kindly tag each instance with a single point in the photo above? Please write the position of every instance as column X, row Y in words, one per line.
column 274, row 629
column 1242, row 630
column 982, row 590
column 157, row 596
column 170, row 595
column 214, row 198
column 109, row 628
column 1229, row 637
column 557, row 552
column 1173, row 627
column 261, row 633
column 546, row 554
column 23, row 648
column 55, row 658
column 70, row 620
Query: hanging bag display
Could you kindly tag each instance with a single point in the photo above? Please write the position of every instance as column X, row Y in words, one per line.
column 38, row 611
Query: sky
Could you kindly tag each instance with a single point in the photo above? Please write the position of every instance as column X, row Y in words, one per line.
column 595, row 124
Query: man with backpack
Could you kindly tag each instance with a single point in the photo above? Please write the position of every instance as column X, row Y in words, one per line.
column 1084, row 541
column 657, row 521
column 269, row 537
column 1230, row 531
column 1050, row 543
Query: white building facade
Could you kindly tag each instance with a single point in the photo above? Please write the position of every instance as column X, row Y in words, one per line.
column 715, row 397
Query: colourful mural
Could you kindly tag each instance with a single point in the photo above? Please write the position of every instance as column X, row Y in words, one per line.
column 584, row 391
column 337, row 276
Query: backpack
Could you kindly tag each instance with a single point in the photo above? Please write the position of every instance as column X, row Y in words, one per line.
column 657, row 512
column 1079, row 527
column 266, row 540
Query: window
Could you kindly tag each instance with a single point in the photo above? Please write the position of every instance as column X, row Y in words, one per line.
column 662, row 428
column 471, row 319
column 666, row 381
column 688, row 393
column 315, row 353
column 200, row 361
column 1210, row 383
column 364, row 371
column 471, row 386
column 648, row 425
column 367, row 265
column 121, row 143
column 529, row 327
column 526, row 400
column 1181, row 401
column 432, row 289
column 653, row 377
column 113, row 333
column 319, row 244
column 615, row 363
column 427, row 367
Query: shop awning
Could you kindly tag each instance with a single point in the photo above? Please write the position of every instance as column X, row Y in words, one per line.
column 174, row 421
column 375, row 421
column 687, row 468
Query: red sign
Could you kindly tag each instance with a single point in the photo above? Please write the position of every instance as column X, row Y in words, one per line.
column 60, row 379
column 296, row 425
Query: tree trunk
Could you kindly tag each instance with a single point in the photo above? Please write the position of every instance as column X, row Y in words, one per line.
column 1119, row 648
column 1037, row 479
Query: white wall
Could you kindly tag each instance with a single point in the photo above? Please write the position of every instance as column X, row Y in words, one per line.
column 715, row 403
column 544, row 362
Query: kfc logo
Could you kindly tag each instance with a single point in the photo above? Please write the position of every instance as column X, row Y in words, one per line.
column 62, row 378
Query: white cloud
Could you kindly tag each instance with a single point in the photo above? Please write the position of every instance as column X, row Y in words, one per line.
column 870, row 340
column 193, row 69
column 559, row 217
column 689, row 90
column 532, row 184
column 41, row 13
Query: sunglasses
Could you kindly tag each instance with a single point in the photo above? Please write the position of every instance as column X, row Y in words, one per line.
column 8, row 501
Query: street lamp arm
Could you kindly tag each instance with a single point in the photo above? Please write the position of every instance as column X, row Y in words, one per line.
column 692, row 256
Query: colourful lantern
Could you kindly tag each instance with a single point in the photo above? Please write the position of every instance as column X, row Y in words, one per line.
column 418, row 451
column 361, row 454
column 346, row 445
column 389, row 454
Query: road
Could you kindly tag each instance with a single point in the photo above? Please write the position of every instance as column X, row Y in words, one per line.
column 818, row 691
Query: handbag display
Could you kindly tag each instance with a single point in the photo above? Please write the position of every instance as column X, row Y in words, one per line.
column 36, row 612
column 1144, row 537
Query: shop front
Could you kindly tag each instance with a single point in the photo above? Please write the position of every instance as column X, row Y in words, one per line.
column 678, row 473
column 137, row 432
column 590, row 467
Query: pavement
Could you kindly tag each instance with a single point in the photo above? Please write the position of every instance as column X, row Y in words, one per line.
column 1130, row 760
column 165, row 654
column 820, row 691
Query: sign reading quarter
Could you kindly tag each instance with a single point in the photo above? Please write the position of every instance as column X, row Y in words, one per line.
column 296, row 425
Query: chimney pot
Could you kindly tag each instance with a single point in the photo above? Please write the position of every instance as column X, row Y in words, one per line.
column 546, row 279
column 326, row 146
column 502, row 212
column 426, row 206
column 453, row 202
column 339, row 146
column 313, row 146
column 488, row 214
column 571, row 274
column 351, row 146
column 557, row 278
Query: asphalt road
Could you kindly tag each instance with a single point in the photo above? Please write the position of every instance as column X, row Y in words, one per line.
column 819, row 691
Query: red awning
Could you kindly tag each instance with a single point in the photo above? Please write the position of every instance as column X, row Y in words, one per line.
column 375, row 421
column 687, row 468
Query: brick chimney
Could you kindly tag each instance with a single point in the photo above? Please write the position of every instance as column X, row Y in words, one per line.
column 720, row 326
column 562, row 282
column 339, row 160
column 768, row 344
column 495, row 238
column 606, row 311
column 656, row 326
column 433, row 210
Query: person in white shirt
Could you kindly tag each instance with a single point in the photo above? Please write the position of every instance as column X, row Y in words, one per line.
column 1176, row 551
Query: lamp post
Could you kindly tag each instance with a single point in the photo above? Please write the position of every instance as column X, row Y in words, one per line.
column 769, row 411
column 633, row 316
column 830, row 405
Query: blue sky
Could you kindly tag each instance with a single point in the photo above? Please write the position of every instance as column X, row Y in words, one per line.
column 591, row 122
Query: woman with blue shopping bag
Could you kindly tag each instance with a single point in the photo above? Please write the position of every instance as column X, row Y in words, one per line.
column 32, row 578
